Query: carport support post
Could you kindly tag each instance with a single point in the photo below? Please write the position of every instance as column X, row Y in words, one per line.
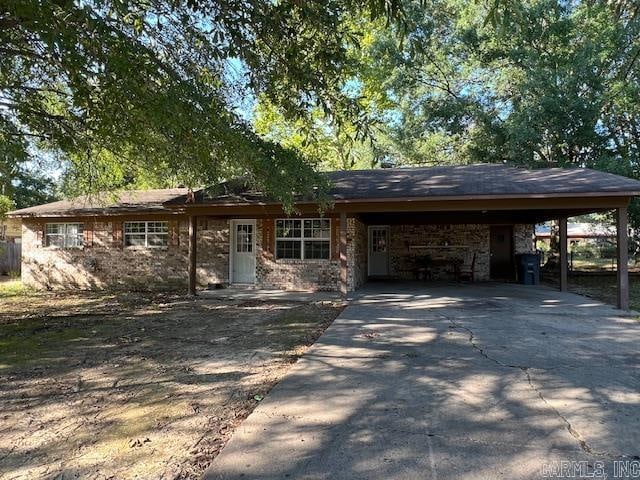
column 193, row 241
column 563, row 255
column 343, row 254
column 622, row 233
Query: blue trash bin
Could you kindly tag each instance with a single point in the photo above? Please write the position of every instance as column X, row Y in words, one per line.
column 528, row 268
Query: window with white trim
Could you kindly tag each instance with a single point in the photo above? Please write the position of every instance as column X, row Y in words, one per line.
column 64, row 235
column 146, row 234
column 303, row 239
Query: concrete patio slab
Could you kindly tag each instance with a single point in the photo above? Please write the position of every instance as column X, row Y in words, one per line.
column 449, row 382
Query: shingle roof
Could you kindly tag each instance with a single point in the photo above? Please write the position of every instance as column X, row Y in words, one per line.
column 132, row 201
column 476, row 180
column 467, row 181
column 481, row 180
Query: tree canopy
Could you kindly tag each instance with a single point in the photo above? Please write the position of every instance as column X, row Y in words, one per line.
column 159, row 92
column 556, row 85
column 123, row 89
column 538, row 83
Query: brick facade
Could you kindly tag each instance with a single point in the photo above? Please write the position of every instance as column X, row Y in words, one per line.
column 105, row 263
column 407, row 243
column 294, row 274
column 357, row 253
column 524, row 238
column 446, row 242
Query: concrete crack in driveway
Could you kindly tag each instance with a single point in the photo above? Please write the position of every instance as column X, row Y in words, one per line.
column 480, row 350
column 574, row 433
column 525, row 369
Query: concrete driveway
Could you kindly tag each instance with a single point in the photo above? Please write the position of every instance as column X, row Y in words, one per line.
column 450, row 382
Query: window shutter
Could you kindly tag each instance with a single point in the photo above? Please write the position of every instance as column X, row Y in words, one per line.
column 88, row 234
column 116, row 231
column 268, row 240
column 335, row 238
column 174, row 233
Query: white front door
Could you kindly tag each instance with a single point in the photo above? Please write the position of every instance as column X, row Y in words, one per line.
column 379, row 250
column 243, row 255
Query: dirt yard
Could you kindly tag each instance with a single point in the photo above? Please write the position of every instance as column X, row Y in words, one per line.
column 137, row 386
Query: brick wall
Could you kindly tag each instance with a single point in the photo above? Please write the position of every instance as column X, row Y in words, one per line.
column 439, row 242
column 212, row 264
column 104, row 263
column 294, row 274
column 357, row 253
column 524, row 238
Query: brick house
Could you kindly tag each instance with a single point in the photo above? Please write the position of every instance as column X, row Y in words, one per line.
column 400, row 223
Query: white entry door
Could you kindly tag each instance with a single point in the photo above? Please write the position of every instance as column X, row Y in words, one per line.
column 379, row 250
column 243, row 255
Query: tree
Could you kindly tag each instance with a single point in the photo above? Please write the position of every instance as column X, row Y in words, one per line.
column 321, row 143
column 537, row 83
column 115, row 87
column 20, row 181
column 6, row 205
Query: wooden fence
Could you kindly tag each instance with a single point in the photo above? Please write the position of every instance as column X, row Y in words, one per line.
column 10, row 254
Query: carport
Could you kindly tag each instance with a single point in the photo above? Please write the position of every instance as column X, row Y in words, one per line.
column 498, row 197
column 499, row 214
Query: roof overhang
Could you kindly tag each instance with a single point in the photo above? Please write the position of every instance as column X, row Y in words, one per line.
column 536, row 207
column 565, row 204
column 97, row 213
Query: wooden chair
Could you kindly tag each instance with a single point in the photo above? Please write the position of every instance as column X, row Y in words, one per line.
column 422, row 268
column 467, row 271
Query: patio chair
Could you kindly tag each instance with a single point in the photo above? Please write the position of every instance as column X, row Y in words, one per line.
column 422, row 269
column 465, row 272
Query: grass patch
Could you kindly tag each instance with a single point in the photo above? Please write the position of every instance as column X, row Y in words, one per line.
column 605, row 288
column 20, row 346
column 13, row 288
column 599, row 265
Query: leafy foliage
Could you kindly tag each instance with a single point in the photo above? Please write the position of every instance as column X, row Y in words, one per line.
column 115, row 88
column 151, row 92
column 6, row 205
column 320, row 142
column 539, row 83
column 21, row 182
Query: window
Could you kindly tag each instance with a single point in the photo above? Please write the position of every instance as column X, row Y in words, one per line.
column 244, row 238
column 303, row 239
column 146, row 234
column 64, row 235
column 379, row 240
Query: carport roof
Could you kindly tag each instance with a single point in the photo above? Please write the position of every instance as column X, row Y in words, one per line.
column 478, row 180
column 467, row 182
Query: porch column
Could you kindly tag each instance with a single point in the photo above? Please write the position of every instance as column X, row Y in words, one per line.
column 193, row 240
column 622, row 244
column 343, row 254
column 563, row 255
